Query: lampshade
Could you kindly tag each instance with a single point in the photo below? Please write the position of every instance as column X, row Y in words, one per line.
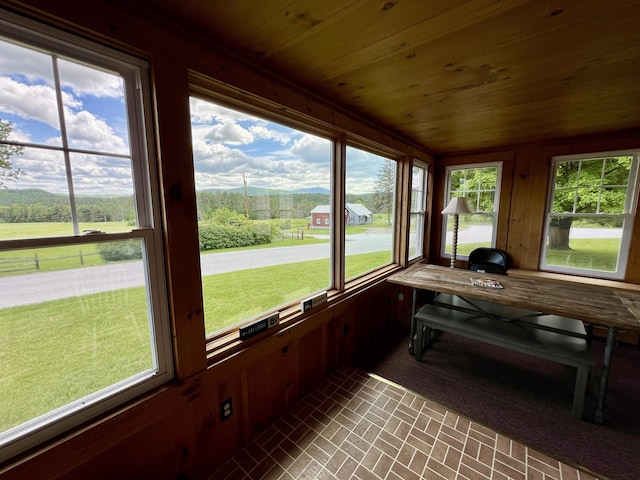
column 457, row 205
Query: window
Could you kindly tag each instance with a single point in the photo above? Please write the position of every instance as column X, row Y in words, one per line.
column 83, row 320
column 418, row 210
column 590, row 214
column 369, row 211
column 481, row 187
column 264, row 194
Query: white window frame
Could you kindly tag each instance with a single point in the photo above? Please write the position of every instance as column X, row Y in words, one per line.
column 494, row 213
column 420, row 211
column 135, row 74
column 628, row 215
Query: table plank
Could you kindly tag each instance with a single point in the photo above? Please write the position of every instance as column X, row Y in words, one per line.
column 603, row 305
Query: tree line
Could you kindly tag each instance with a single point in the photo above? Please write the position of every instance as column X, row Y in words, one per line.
column 35, row 205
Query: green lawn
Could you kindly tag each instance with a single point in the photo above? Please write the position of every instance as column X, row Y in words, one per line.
column 598, row 254
column 111, row 342
column 49, row 358
column 55, row 352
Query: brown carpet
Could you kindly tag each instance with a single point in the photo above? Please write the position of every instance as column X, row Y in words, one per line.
column 526, row 398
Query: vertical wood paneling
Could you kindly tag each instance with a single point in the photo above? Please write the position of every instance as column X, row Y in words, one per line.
column 181, row 227
column 309, row 360
column 265, row 391
column 528, row 200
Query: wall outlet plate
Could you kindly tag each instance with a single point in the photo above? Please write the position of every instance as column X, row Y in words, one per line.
column 226, row 409
column 312, row 302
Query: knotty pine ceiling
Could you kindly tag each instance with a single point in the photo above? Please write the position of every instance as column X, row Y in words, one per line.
column 450, row 75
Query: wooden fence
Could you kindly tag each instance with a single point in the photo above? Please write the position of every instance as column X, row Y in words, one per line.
column 33, row 263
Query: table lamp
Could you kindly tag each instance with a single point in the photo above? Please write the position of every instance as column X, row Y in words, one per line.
column 456, row 206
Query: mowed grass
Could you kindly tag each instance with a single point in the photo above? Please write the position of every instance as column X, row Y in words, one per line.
column 597, row 254
column 53, row 353
column 56, row 352
column 588, row 253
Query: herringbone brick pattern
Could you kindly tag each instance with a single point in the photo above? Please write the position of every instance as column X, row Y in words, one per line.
column 359, row 426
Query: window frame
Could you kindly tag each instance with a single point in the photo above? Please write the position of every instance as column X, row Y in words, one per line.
column 222, row 342
column 135, row 74
column 630, row 207
column 496, row 204
column 421, row 212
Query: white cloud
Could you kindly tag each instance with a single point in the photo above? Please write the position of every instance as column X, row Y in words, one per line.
column 31, row 102
column 261, row 131
column 312, row 149
column 86, row 131
column 207, row 112
column 229, row 133
column 33, row 65
column 90, row 81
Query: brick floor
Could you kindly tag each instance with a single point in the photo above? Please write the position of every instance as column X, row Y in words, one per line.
column 359, row 426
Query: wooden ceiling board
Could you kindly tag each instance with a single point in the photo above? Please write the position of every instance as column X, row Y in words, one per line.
column 451, row 76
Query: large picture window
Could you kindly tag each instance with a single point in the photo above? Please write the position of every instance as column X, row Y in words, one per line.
column 591, row 213
column 480, row 185
column 263, row 196
column 83, row 319
column 369, row 211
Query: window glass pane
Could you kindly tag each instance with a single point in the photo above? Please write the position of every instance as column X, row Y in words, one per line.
column 416, row 227
column 27, row 73
column 478, row 185
column 83, row 318
column 473, row 231
column 486, row 201
column 416, row 219
column 418, row 195
column 263, row 193
column 589, row 221
column 42, row 181
column 369, row 211
column 584, row 244
column 91, row 324
column 563, row 200
column 567, row 174
column 94, row 121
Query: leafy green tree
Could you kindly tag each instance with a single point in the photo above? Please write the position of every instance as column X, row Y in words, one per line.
column 593, row 186
column 477, row 185
column 384, row 188
column 7, row 172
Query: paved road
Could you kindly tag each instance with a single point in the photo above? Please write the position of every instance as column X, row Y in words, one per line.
column 21, row 289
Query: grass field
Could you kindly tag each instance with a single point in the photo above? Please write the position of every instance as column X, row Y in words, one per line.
column 48, row 357
column 55, row 352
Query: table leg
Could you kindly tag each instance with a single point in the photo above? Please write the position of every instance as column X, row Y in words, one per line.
column 413, row 321
column 604, row 378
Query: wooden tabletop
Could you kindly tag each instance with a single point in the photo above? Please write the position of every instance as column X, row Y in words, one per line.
column 597, row 304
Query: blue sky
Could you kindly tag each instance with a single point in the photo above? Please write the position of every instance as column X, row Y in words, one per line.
column 227, row 144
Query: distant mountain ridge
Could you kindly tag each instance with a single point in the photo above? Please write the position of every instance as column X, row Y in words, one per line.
column 27, row 196
column 252, row 191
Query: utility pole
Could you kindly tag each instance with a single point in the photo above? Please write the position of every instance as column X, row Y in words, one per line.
column 246, row 200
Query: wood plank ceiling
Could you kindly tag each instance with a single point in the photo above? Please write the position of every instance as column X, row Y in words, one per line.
column 451, row 75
